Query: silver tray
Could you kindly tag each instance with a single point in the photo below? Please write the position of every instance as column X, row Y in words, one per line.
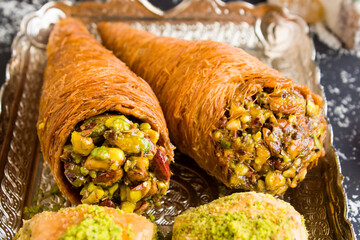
column 267, row 32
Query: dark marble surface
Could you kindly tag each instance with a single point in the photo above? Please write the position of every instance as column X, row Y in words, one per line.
column 340, row 77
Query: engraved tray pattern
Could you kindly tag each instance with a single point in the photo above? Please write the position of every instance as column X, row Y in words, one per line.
column 265, row 31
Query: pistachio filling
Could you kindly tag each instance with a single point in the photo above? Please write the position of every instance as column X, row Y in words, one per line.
column 270, row 139
column 116, row 162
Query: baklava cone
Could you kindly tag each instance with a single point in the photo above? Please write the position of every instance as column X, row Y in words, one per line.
column 101, row 129
column 242, row 121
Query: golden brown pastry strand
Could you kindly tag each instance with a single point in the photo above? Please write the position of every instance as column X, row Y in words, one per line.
column 83, row 79
column 194, row 82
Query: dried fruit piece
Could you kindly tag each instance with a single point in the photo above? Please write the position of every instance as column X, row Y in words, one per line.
column 161, row 166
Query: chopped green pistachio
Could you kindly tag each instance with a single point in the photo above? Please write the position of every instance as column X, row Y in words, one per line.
column 141, row 162
column 123, row 192
column 237, row 180
column 121, row 125
column 129, row 164
column 297, row 162
column 100, row 153
column 134, row 196
column 290, row 173
column 145, row 126
column 249, row 104
column 132, row 143
column 162, row 186
column 113, row 188
column 116, row 156
column 84, row 171
column 225, row 144
column 292, row 118
column 153, row 135
column 241, row 169
column 257, row 136
column 92, row 174
column 254, row 112
column 311, row 108
column 118, row 123
column 245, row 118
column 81, row 145
column 302, row 174
column 33, row 210
column 229, row 152
column 128, row 207
column 286, row 158
column 233, row 125
column 317, row 142
column 77, row 158
column 73, row 173
column 274, row 180
column 236, row 110
column 151, row 217
column 218, row 136
column 97, row 165
column 261, row 185
column 91, row 194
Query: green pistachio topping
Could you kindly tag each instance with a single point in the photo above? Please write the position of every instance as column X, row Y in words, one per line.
column 96, row 225
column 257, row 220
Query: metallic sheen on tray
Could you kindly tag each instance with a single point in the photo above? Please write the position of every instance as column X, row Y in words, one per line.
column 265, row 31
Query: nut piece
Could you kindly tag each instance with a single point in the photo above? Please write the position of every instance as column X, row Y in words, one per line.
column 160, row 165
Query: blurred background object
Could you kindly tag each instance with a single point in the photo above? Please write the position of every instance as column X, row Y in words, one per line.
column 342, row 17
column 311, row 10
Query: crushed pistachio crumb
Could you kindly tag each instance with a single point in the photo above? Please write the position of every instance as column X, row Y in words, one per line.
column 97, row 224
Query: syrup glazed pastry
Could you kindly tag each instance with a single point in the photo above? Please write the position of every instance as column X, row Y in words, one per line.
column 101, row 128
column 241, row 216
column 87, row 222
column 240, row 120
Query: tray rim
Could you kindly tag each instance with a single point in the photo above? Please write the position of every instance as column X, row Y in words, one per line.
column 171, row 14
